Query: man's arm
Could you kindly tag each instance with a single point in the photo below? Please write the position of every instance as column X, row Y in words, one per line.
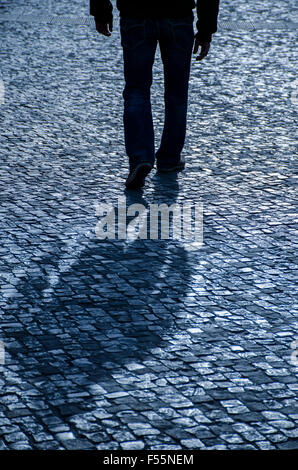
column 102, row 10
column 207, row 11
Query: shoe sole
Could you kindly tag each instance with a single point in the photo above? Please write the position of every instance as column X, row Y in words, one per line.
column 179, row 167
column 137, row 179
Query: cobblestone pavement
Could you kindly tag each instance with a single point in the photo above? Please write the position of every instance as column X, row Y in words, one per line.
column 117, row 345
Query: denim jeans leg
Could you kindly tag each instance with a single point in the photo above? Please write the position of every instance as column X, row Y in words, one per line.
column 138, row 53
column 176, row 49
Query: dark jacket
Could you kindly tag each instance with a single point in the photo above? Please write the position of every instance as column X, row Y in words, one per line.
column 207, row 12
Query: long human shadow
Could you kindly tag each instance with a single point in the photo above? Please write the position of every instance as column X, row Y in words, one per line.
column 111, row 308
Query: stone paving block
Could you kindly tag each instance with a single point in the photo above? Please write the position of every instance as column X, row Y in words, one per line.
column 132, row 445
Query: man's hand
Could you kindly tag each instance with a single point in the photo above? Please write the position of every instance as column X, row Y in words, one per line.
column 205, row 46
column 104, row 28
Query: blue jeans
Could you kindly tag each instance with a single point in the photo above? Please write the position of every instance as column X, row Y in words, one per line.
column 139, row 38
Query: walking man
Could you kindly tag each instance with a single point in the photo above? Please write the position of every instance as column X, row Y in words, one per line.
column 143, row 24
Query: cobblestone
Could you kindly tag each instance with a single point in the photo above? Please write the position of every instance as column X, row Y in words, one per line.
column 144, row 344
